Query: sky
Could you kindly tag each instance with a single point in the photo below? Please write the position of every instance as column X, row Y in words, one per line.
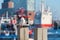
column 53, row 4
column 55, row 7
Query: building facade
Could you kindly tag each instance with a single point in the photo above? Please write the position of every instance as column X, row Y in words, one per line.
column 7, row 5
column 31, row 10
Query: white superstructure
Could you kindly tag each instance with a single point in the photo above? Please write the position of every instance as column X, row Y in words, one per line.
column 46, row 17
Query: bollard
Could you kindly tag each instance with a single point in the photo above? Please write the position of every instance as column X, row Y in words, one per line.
column 21, row 33
column 24, row 33
column 40, row 34
column 44, row 33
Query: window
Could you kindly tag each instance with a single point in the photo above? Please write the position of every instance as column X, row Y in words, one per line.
column 30, row 14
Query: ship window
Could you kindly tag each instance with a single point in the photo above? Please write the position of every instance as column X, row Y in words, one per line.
column 29, row 13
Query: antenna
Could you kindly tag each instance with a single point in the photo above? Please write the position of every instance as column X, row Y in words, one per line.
column 42, row 6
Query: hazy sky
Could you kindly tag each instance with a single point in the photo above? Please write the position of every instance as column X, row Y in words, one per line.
column 54, row 5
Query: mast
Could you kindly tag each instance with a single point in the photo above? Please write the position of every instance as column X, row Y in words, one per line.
column 42, row 6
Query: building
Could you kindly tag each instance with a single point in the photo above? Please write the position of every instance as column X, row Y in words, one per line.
column 37, row 18
column 6, row 0
column 17, row 4
column 31, row 10
column 7, row 5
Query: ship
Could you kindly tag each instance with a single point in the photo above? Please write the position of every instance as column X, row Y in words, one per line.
column 7, row 29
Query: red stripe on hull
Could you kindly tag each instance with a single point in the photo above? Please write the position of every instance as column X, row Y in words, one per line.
column 46, row 25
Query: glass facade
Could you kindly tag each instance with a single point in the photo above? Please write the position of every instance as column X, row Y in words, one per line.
column 19, row 4
column 5, row 8
column 5, row 5
column 6, row 0
column 37, row 19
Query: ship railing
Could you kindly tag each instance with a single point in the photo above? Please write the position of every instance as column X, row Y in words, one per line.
column 3, row 31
